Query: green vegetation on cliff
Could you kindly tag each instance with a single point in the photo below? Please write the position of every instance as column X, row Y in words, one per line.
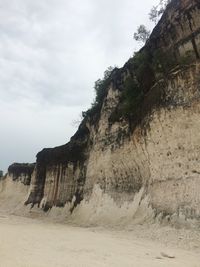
column 101, row 88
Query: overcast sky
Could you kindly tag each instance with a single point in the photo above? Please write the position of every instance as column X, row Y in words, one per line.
column 51, row 52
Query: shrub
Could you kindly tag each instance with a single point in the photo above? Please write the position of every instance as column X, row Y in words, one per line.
column 187, row 58
column 163, row 62
column 131, row 96
column 100, row 87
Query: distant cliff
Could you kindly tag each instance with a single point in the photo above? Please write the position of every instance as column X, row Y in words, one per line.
column 21, row 172
column 145, row 131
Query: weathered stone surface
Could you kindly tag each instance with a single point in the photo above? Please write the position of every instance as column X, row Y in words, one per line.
column 21, row 172
column 60, row 172
column 178, row 28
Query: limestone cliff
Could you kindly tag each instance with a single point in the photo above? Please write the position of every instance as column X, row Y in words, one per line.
column 154, row 144
column 21, row 172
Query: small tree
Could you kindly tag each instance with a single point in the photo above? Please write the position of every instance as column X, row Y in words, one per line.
column 158, row 10
column 100, row 87
column 153, row 15
column 1, row 173
column 142, row 34
column 108, row 72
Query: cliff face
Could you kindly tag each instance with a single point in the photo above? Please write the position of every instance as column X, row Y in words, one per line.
column 21, row 172
column 178, row 28
column 157, row 146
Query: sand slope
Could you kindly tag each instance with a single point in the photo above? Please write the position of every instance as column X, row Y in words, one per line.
column 110, row 235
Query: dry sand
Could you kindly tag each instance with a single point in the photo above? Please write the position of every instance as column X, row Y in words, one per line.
column 26, row 242
column 110, row 235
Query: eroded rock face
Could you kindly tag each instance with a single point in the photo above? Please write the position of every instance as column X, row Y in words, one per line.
column 156, row 148
column 178, row 29
column 162, row 155
column 21, row 172
column 60, row 172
